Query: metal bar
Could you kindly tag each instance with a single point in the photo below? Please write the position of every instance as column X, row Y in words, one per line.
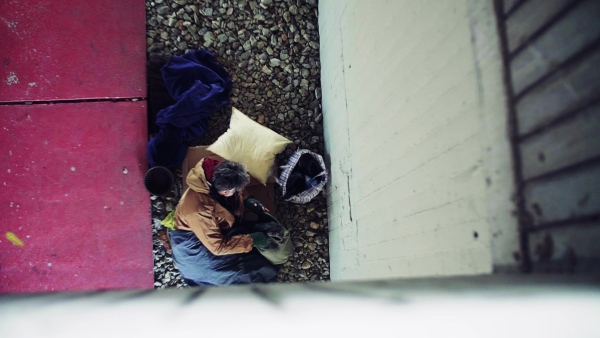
column 511, row 10
column 563, row 223
column 514, row 136
column 542, row 29
column 563, row 170
column 566, row 117
column 579, row 56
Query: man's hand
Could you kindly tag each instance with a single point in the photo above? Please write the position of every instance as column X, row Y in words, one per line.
column 262, row 207
column 255, row 205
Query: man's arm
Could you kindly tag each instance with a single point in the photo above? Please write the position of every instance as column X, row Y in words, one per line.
column 206, row 228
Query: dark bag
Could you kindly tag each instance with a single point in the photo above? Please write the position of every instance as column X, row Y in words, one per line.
column 303, row 177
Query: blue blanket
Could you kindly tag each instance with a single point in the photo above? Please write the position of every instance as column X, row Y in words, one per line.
column 199, row 86
column 199, row 267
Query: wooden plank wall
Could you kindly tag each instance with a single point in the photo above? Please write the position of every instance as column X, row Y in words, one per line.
column 552, row 50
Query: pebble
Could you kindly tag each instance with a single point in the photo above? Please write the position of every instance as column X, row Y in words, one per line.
column 275, row 62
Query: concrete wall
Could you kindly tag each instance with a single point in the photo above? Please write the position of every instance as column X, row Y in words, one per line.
column 416, row 139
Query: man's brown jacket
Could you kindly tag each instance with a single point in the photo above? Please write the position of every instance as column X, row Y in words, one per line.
column 197, row 211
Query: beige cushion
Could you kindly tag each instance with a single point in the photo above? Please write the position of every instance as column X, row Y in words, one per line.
column 250, row 143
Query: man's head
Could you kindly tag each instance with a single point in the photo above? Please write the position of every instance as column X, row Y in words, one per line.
column 230, row 177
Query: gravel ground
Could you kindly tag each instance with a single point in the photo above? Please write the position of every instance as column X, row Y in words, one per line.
column 271, row 50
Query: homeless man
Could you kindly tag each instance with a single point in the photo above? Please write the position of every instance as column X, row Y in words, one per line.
column 211, row 206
